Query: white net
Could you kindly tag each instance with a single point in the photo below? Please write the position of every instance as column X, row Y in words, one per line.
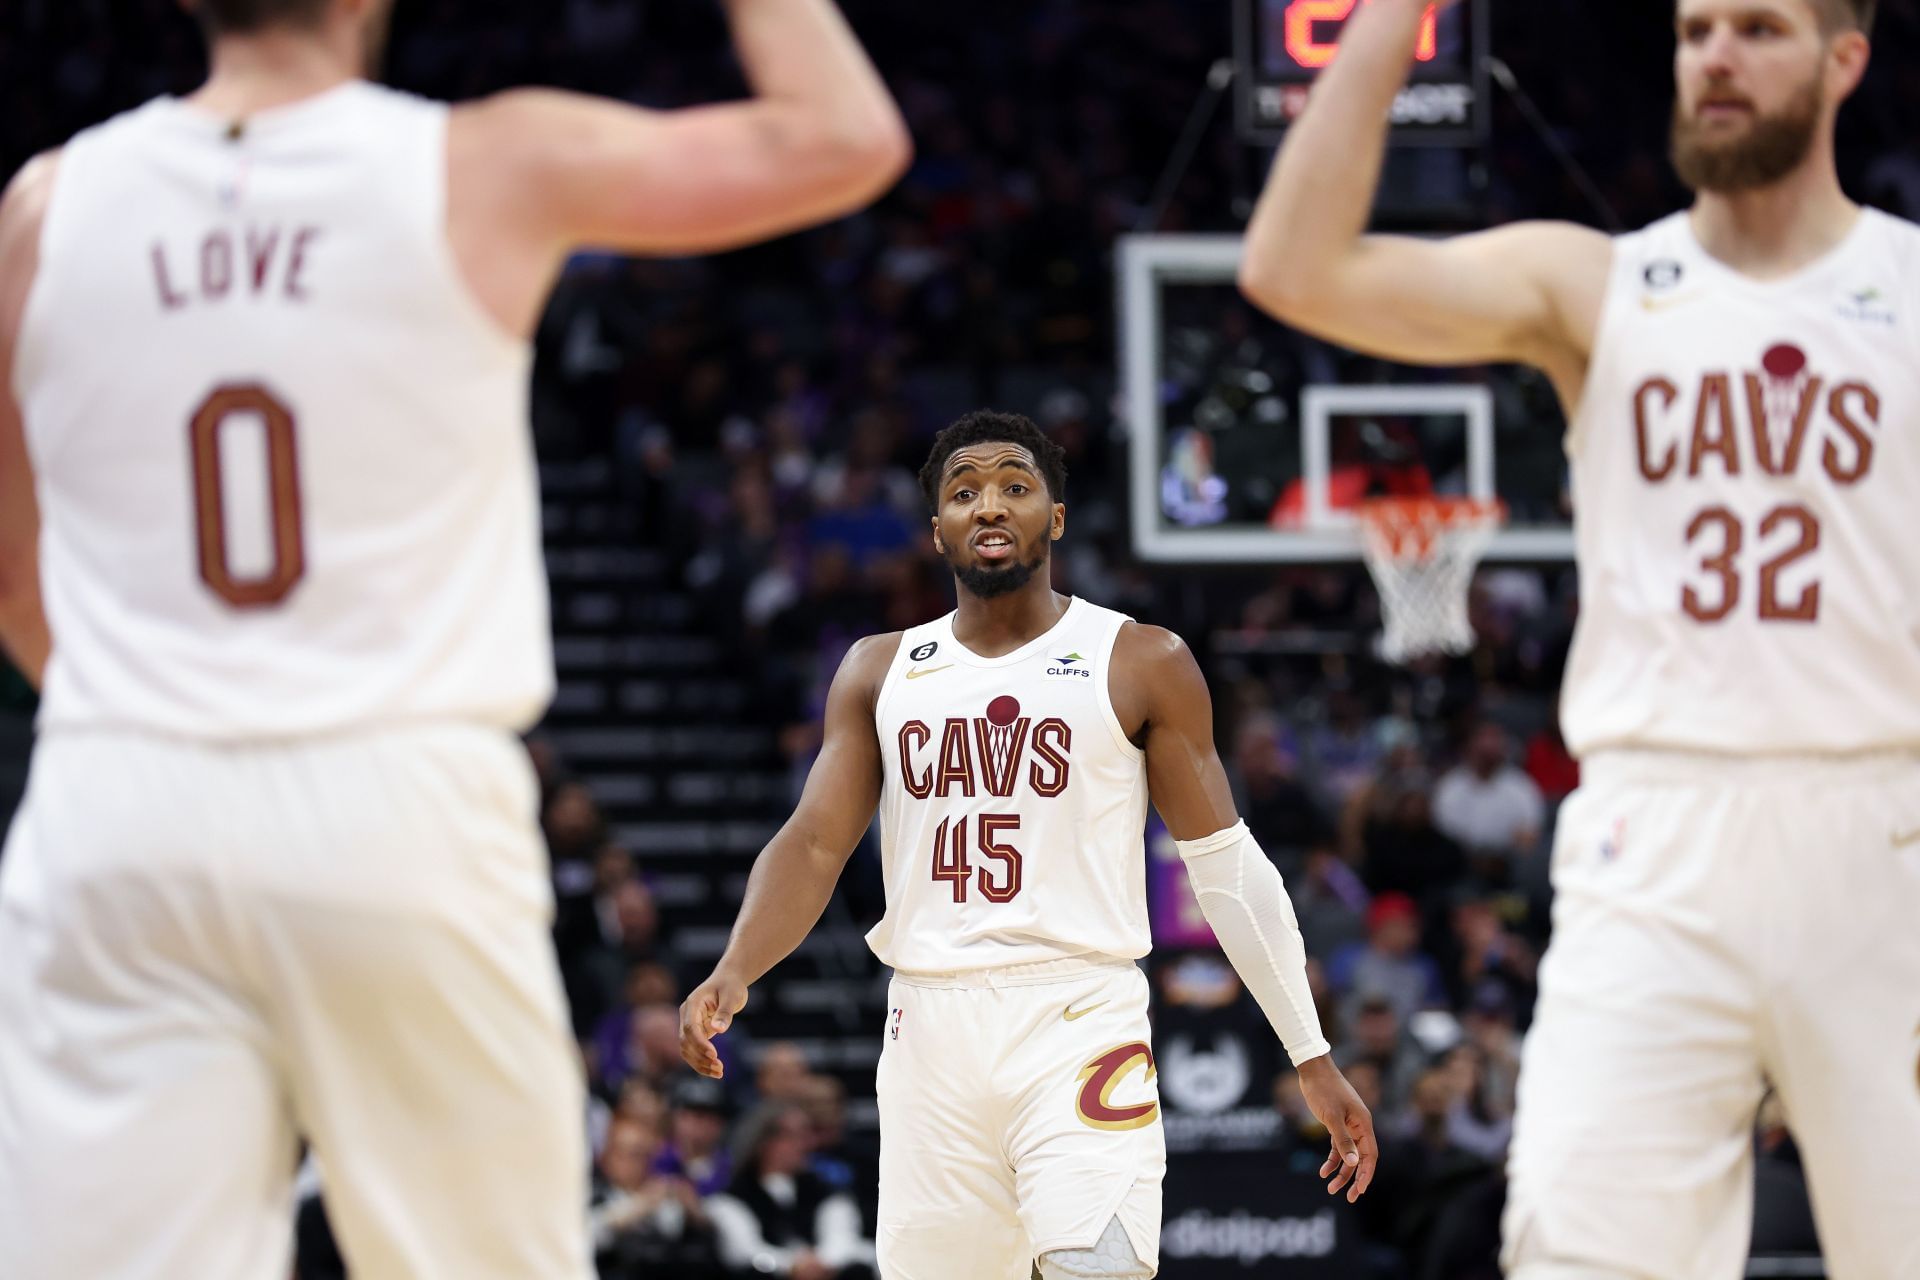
column 1422, row 553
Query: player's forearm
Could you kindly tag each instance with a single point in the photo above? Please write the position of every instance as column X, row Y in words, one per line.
column 1319, row 197
column 802, row 60
column 791, row 883
column 1244, row 901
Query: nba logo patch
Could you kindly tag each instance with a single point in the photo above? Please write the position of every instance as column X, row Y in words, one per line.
column 895, row 1033
column 1616, row 839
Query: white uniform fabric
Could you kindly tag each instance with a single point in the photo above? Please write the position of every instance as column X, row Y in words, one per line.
column 1245, row 901
column 1017, row 1107
column 1015, row 769
column 278, row 868
column 1717, row 923
column 208, row 950
column 1018, row 1115
column 1744, row 474
column 285, row 475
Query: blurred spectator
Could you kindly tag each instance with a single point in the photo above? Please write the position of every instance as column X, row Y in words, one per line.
column 653, row 1048
column 648, row 983
column 645, row 1223
column 1488, row 805
column 1481, row 951
column 1402, row 851
column 1330, row 902
column 777, row 1217
column 1280, row 812
column 696, row 1135
column 1389, row 964
column 1374, row 1041
column 783, row 1073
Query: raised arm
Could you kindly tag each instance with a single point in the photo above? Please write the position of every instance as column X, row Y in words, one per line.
column 820, row 137
column 1237, row 886
column 793, row 877
column 23, row 621
column 1528, row 292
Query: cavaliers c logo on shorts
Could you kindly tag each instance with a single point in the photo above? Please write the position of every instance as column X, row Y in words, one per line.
column 1098, row 1080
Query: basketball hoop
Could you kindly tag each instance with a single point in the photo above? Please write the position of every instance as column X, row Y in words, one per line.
column 1422, row 553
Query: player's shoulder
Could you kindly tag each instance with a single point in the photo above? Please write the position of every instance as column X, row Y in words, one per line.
column 869, row 657
column 1144, row 648
column 23, row 212
column 28, row 191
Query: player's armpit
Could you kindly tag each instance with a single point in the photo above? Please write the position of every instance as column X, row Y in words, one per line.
column 593, row 173
column 1529, row 292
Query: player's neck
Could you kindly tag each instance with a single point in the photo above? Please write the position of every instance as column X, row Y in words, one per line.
column 996, row 627
column 272, row 69
column 1777, row 230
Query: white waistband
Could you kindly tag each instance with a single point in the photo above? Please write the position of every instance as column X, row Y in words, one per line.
column 1014, row 975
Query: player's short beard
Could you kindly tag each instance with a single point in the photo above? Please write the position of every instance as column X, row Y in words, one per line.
column 1774, row 146
column 986, row 584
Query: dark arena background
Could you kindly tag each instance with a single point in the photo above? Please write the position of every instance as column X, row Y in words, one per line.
column 727, row 448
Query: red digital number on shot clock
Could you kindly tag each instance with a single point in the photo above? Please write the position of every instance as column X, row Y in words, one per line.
column 1307, row 49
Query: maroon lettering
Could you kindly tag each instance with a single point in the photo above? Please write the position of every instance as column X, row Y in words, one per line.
column 1052, row 740
column 170, row 299
column 1654, row 472
column 260, row 256
column 302, row 238
column 956, row 761
column 1787, row 460
column 1713, row 431
column 919, row 785
column 216, row 266
column 1000, row 766
column 1846, row 470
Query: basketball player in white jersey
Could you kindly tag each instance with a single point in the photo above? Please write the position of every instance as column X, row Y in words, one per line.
column 266, row 482
column 1011, row 748
column 1739, row 874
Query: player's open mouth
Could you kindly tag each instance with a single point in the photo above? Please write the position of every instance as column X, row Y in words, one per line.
column 993, row 546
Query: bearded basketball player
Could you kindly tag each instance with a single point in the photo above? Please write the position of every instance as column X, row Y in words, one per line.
column 269, row 530
column 1011, row 748
column 1738, row 876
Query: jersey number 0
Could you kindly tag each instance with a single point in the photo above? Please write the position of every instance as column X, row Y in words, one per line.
column 283, row 497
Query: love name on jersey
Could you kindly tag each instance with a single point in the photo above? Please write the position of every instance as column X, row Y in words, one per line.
column 982, row 753
column 1757, row 421
column 224, row 263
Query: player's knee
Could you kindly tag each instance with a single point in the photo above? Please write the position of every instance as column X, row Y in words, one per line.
column 1112, row 1257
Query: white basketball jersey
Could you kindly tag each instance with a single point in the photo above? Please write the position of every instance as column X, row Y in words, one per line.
column 284, row 468
column 1012, row 819
column 1746, row 476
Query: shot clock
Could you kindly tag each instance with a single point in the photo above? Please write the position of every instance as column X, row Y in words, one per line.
column 1281, row 45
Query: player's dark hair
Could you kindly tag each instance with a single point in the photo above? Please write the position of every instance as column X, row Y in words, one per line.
column 245, row 17
column 1841, row 15
column 989, row 426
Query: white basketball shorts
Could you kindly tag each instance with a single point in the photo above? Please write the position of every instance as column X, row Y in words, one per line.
column 1719, row 925
column 1018, row 1115
column 207, row 952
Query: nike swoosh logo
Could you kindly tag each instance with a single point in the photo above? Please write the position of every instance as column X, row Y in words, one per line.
column 1901, row 839
column 915, row 675
column 1069, row 1015
column 1667, row 304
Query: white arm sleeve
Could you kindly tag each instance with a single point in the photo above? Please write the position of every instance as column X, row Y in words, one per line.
column 1242, row 897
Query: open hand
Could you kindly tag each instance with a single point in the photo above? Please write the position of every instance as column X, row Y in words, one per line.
column 1355, row 1151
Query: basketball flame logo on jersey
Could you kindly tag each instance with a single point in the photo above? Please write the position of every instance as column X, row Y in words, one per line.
column 987, row 751
column 1784, row 402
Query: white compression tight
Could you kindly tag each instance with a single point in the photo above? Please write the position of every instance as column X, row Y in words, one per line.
column 1111, row 1258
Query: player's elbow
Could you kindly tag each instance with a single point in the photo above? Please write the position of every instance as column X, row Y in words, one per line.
column 1283, row 289
column 869, row 155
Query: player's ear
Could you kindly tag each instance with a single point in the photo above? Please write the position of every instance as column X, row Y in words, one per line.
column 1847, row 56
column 939, row 547
column 1059, row 528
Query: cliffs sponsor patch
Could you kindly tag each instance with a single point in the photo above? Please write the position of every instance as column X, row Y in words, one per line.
column 1069, row 666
